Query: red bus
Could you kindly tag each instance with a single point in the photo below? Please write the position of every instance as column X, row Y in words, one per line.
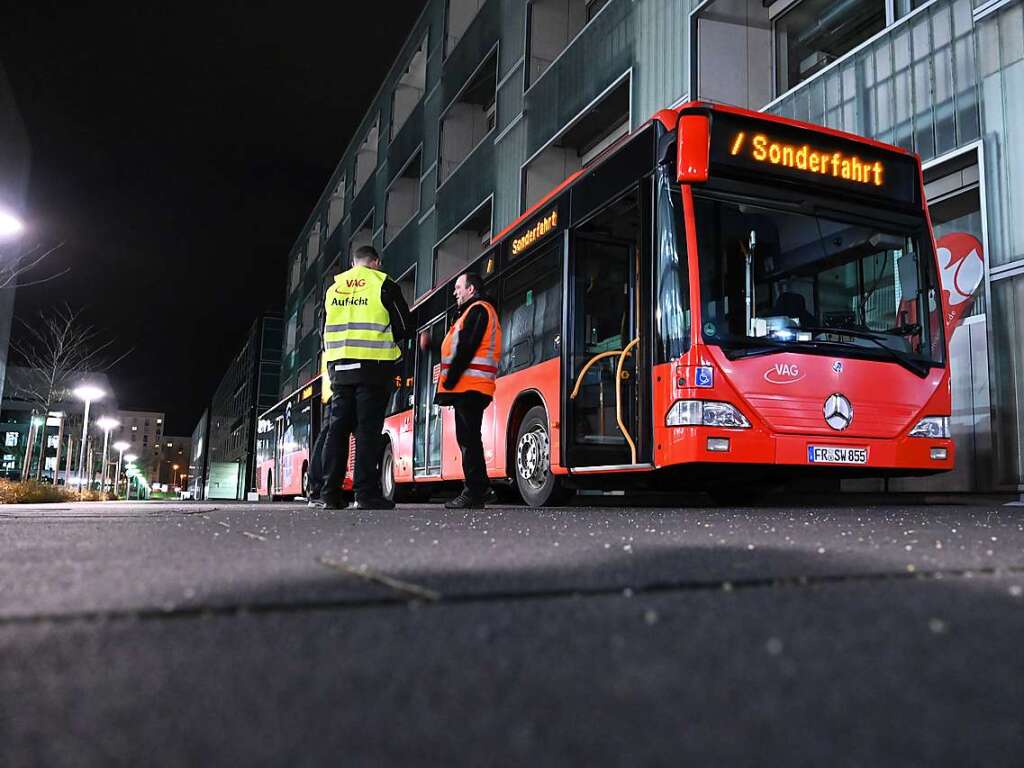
column 723, row 300
column 285, row 435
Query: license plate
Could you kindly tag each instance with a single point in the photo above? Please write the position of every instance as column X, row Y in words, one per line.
column 825, row 454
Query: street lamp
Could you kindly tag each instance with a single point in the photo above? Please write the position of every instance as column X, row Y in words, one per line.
column 106, row 423
column 10, row 225
column 88, row 393
column 120, row 446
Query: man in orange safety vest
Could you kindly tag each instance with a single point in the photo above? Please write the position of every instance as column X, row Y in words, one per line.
column 470, row 355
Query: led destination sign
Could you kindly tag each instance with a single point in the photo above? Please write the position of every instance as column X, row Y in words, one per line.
column 538, row 231
column 764, row 148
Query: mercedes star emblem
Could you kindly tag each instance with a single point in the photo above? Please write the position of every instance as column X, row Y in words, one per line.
column 838, row 412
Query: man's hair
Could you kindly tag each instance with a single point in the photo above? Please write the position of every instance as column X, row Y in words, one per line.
column 364, row 253
column 474, row 281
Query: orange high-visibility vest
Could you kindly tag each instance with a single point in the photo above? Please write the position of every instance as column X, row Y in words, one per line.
column 483, row 368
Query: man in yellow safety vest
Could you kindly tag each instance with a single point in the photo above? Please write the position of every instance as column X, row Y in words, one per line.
column 366, row 315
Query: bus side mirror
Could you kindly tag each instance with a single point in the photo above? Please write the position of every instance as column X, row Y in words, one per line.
column 908, row 274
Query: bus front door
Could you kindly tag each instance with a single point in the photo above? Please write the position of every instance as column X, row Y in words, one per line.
column 427, row 421
column 601, row 423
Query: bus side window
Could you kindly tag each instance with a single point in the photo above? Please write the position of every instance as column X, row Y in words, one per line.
column 531, row 313
column 401, row 397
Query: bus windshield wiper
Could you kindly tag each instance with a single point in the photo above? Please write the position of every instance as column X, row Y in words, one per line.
column 747, row 346
column 915, row 367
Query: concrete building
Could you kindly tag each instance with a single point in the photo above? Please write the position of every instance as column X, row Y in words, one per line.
column 14, row 173
column 249, row 387
column 197, row 463
column 143, row 430
column 173, row 460
column 60, row 442
column 491, row 103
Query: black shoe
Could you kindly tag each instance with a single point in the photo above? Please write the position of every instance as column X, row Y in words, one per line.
column 373, row 502
column 330, row 502
column 465, row 501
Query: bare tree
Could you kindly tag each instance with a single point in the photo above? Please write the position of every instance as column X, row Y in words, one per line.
column 56, row 348
column 13, row 264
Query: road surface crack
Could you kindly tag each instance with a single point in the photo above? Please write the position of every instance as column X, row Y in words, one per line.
column 364, row 572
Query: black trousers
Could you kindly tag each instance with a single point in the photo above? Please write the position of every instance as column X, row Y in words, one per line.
column 316, row 461
column 359, row 409
column 469, row 416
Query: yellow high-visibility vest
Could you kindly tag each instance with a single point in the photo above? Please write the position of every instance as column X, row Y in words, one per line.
column 358, row 327
column 325, row 382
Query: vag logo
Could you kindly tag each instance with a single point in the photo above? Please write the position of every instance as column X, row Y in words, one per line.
column 355, row 282
column 783, row 373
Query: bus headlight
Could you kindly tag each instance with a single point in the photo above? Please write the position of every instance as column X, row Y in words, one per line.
column 706, row 413
column 932, row 427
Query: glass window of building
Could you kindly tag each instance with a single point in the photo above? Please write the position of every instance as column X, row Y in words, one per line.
column 295, row 272
column 290, row 331
column 409, row 89
column 577, row 145
column 403, row 199
column 407, row 284
column 366, row 157
column 551, row 25
column 954, row 203
column 313, row 298
column 363, row 235
column 336, row 207
column 469, row 118
column 812, row 34
column 313, row 243
column 457, row 19
column 464, row 244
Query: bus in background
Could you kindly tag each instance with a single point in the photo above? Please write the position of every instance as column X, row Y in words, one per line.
column 285, row 435
column 722, row 300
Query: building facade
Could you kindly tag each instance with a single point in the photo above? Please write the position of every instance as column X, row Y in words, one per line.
column 14, row 172
column 250, row 386
column 143, row 431
column 172, row 461
column 491, row 103
column 34, row 451
column 197, row 460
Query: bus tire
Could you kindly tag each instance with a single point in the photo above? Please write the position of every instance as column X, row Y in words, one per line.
column 305, row 480
column 388, row 486
column 532, row 462
column 270, row 486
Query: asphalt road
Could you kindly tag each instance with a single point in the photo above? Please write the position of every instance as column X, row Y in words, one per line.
column 230, row 634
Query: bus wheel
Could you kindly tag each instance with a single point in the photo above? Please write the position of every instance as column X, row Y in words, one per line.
column 387, row 473
column 270, row 485
column 537, row 486
column 305, row 480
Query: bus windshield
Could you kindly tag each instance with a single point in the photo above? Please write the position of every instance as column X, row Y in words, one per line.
column 775, row 280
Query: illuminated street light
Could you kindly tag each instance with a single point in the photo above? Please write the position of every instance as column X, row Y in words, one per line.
column 106, row 423
column 10, row 225
column 88, row 393
column 120, row 446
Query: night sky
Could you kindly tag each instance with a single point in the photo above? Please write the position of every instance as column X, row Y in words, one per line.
column 177, row 152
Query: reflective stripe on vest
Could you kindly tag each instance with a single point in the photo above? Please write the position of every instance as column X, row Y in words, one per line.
column 479, row 376
column 357, row 326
